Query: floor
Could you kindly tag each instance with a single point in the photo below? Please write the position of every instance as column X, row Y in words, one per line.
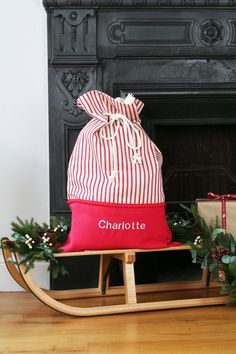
column 27, row 326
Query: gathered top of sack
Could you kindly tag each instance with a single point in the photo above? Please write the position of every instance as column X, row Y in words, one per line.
column 101, row 106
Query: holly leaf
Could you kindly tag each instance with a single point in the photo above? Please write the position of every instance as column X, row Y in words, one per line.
column 232, row 269
column 62, row 270
column 232, row 243
column 55, row 272
column 204, row 262
column 194, row 255
column 226, row 259
column 216, row 232
column 189, row 210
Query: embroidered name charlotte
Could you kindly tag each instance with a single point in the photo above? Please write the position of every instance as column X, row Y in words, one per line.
column 133, row 225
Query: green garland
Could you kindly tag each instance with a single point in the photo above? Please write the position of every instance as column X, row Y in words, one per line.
column 37, row 243
column 211, row 247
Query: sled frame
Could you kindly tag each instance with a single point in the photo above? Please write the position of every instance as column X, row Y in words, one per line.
column 53, row 298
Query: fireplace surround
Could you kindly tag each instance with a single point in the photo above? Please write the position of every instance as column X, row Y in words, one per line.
column 177, row 56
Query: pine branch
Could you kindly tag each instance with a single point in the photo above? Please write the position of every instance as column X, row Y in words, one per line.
column 35, row 243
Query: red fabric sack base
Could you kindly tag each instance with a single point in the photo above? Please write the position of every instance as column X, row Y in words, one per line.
column 103, row 226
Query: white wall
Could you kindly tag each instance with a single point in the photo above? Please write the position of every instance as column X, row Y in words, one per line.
column 24, row 171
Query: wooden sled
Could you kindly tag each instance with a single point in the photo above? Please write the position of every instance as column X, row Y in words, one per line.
column 130, row 291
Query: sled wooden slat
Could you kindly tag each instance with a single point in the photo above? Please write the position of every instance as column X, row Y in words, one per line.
column 117, row 251
column 128, row 292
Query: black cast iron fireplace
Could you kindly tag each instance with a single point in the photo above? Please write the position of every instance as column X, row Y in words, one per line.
column 178, row 56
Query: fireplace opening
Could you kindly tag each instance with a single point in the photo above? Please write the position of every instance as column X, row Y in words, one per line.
column 197, row 159
column 195, row 129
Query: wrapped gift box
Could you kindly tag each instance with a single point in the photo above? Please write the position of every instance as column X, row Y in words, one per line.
column 209, row 209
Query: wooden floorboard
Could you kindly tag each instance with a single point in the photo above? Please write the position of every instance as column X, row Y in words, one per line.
column 27, row 326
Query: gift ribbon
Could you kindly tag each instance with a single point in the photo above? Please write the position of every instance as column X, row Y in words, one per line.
column 222, row 198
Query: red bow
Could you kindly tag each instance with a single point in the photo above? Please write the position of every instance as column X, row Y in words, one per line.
column 223, row 198
column 211, row 195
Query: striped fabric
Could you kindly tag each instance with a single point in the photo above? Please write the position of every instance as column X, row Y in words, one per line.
column 114, row 160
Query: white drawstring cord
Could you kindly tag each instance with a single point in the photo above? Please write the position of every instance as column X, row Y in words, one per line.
column 116, row 119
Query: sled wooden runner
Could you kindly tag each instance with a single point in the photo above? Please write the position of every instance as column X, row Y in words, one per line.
column 131, row 291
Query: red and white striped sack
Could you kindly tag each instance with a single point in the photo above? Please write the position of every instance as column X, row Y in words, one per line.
column 115, row 189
